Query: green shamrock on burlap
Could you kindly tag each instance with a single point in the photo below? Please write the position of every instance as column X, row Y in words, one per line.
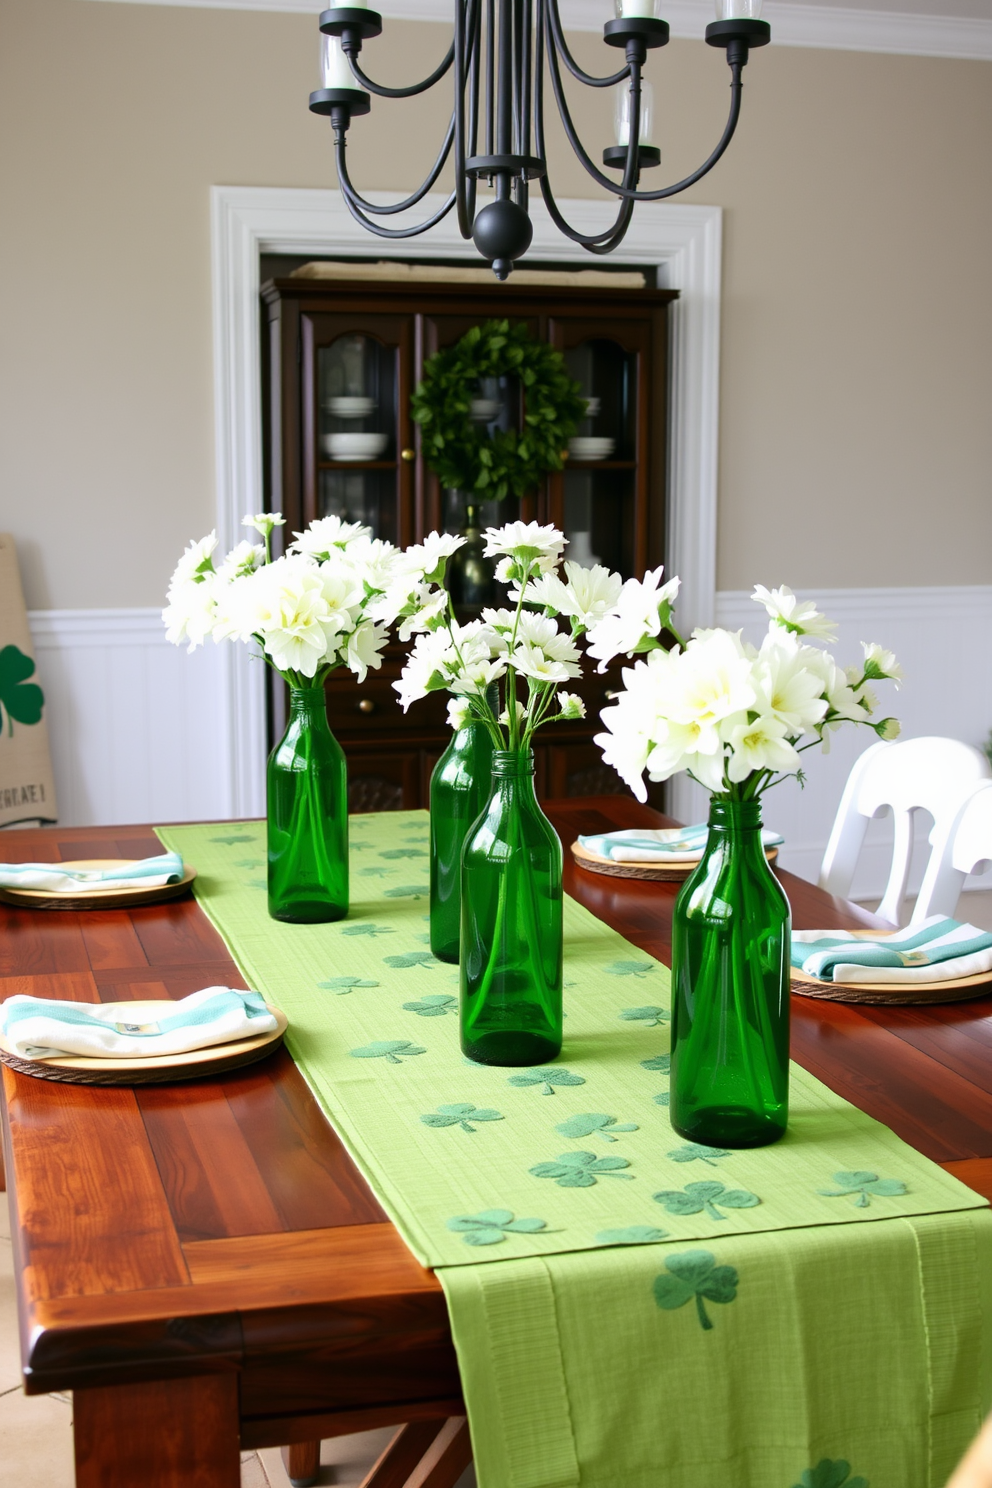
column 461, row 1116
column 434, row 1006
column 366, row 927
column 696, row 1152
column 549, row 1077
column 581, row 1169
column 863, row 1184
column 395, row 1050
column 696, row 1197
column 652, row 1016
column 630, row 968
column 694, row 1273
column 22, row 699
column 632, row 1235
column 492, row 1226
column 594, row 1124
column 344, row 984
column 827, row 1474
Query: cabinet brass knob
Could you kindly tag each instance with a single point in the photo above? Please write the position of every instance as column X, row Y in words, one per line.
column 366, row 705
column 408, row 454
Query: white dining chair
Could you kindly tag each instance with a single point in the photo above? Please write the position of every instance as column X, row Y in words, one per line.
column 963, row 847
column 930, row 774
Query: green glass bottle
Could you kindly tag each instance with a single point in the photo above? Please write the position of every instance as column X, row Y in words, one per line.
column 730, row 979
column 307, row 790
column 511, row 940
column 460, row 787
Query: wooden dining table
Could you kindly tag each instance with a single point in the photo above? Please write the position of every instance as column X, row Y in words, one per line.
column 203, row 1265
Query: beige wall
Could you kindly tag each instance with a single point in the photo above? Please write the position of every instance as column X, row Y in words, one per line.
column 856, row 437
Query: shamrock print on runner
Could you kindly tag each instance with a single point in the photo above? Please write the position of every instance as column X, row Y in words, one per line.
column 375, row 871
column 630, row 968
column 462, row 1116
column 411, row 958
column 828, row 1474
column 581, row 1169
column 434, row 1006
column 344, row 984
column 632, row 1235
column 408, row 891
column 694, row 1274
column 394, row 1050
column 662, row 1062
column 403, row 852
column 548, row 1077
column 366, row 927
column 249, row 863
column 258, row 883
column 651, row 1017
column 232, row 841
column 696, row 1152
column 865, row 1185
column 696, row 1197
column 492, row 1226
column 593, row 1124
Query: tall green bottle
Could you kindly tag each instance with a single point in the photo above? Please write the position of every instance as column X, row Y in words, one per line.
column 460, row 788
column 307, row 790
column 511, row 944
column 730, row 978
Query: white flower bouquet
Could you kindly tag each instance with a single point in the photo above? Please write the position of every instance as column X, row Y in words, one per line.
column 730, row 714
column 309, row 611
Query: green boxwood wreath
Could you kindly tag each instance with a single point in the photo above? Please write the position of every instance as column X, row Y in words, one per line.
column 461, row 454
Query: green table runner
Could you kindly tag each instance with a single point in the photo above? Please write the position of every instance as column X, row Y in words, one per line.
column 662, row 1314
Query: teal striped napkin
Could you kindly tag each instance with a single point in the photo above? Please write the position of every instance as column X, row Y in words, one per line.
column 54, row 878
column 666, row 844
column 38, row 1028
column 937, row 949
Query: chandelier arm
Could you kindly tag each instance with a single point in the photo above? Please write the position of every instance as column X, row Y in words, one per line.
column 464, row 191
column 736, row 95
column 383, row 92
column 603, row 242
column 411, row 201
column 357, row 206
column 570, row 130
column 561, row 46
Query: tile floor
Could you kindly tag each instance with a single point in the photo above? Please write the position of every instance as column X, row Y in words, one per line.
column 36, row 1431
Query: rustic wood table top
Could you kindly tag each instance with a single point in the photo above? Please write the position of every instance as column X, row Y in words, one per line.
column 213, row 1240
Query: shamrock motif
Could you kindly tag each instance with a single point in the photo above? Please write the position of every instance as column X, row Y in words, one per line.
column 863, row 1184
column 403, row 852
column 359, row 846
column 408, row 891
column 662, row 1062
column 549, row 1077
column 630, row 968
column 581, row 1169
column 343, row 984
column 696, row 1197
column 632, row 1235
column 411, row 958
column 258, row 883
column 22, row 699
column 827, row 1474
column 492, row 1226
column 376, row 871
column 365, row 927
column 694, row 1273
column 461, row 1116
column 232, row 841
column 593, row 1124
column 652, row 1016
column 693, row 1150
column 434, row 1006
column 250, row 863
column 663, row 1099
column 392, row 1049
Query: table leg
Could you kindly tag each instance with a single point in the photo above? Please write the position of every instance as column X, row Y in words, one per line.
column 167, row 1434
column 302, row 1463
column 424, row 1454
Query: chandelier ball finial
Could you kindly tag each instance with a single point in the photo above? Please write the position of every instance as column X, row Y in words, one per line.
column 502, row 232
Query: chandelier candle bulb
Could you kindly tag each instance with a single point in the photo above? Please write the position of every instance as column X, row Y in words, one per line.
column 335, row 69
column 621, row 117
column 732, row 10
column 629, row 9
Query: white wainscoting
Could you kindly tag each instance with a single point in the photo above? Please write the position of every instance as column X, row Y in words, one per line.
column 139, row 729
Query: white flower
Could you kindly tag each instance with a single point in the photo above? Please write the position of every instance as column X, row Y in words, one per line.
column 889, row 728
column 191, row 613
column 880, row 664
column 459, row 713
column 428, row 667
column 243, row 559
column 760, row 745
column 195, row 562
column 800, row 617
column 786, row 686
column 709, row 680
column 264, row 522
column 525, row 542
column 425, row 607
column 587, row 596
column 534, row 662
column 364, row 645
column 642, row 609
column 327, row 533
column 302, row 612
column 520, row 711
column 427, row 559
column 570, row 705
column 376, row 562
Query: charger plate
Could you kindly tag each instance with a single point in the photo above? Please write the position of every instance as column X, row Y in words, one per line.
column 95, row 898
column 654, row 872
column 891, row 993
column 76, row 1069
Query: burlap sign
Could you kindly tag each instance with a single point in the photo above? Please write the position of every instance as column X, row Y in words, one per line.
column 27, row 786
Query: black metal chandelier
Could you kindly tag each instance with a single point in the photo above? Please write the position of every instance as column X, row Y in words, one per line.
column 499, row 54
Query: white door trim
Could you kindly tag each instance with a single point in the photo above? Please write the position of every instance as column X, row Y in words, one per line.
column 684, row 242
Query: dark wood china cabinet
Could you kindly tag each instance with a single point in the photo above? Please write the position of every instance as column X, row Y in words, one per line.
column 340, row 360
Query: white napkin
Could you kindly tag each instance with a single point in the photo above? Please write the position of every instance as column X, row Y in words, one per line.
column 938, row 949
column 53, row 878
column 38, row 1028
column 659, row 845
